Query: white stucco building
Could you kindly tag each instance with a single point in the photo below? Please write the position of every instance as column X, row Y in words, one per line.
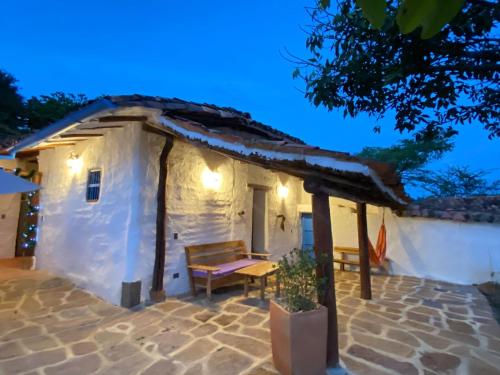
column 229, row 178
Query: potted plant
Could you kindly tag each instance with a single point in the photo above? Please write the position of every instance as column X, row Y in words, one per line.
column 299, row 324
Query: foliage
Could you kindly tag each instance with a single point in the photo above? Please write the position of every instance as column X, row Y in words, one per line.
column 11, row 105
column 46, row 109
column 430, row 15
column 456, row 182
column 431, row 85
column 408, row 155
column 297, row 275
column 19, row 116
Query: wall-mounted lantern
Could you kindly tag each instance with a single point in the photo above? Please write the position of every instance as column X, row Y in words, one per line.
column 211, row 180
column 282, row 191
column 74, row 163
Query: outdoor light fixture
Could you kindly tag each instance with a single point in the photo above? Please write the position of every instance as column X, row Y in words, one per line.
column 282, row 191
column 74, row 163
column 211, row 180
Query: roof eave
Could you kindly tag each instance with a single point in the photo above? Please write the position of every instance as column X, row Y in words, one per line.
column 58, row 126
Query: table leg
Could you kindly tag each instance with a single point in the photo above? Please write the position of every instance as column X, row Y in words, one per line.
column 263, row 288
column 246, row 286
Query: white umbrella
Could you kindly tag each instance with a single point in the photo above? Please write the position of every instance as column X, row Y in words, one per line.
column 10, row 184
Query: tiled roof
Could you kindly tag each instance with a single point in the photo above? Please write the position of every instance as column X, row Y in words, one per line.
column 235, row 133
column 227, row 121
column 215, row 117
column 479, row 209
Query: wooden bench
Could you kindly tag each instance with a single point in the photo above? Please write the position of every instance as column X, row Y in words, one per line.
column 355, row 251
column 213, row 265
column 348, row 251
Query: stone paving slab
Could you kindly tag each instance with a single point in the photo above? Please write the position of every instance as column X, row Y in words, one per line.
column 411, row 326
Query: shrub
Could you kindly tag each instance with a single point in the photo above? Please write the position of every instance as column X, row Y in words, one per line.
column 299, row 284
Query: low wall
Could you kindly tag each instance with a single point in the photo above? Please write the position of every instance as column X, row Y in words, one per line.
column 463, row 253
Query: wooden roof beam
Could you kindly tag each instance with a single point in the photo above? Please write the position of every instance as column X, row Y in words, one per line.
column 80, row 135
column 122, row 118
column 94, row 127
column 315, row 186
column 62, row 142
column 47, row 147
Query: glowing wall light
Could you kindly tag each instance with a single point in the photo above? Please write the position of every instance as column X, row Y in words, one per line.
column 282, row 191
column 74, row 163
column 211, row 180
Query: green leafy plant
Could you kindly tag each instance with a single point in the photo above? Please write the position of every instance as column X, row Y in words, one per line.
column 426, row 87
column 297, row 277
column 430, row 15
column 409, row 155
column 455, row 181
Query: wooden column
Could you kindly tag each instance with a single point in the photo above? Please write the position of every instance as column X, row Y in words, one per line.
column 364, row 256
column 157, row 294
column 323, row 249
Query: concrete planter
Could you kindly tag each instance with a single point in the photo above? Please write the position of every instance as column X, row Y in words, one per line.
column 299, row 340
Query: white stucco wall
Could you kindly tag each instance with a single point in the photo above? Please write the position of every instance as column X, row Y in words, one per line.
column 200, row 215
column 9, row 216
column 99, row 245
column 89, row 242
column 462, row 253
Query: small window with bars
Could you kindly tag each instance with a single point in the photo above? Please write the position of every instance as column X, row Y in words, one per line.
column 93, row 185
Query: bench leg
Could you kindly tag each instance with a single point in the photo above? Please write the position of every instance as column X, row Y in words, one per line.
column 263, row 288
column 209, row 285
column 342, row 265
column 246, row 286
column 191, row 283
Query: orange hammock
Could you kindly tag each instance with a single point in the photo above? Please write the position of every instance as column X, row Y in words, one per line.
column 377, row 254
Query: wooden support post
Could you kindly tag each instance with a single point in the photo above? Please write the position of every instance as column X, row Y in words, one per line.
column 157, row 294
column 323, row 249
column 364, row 256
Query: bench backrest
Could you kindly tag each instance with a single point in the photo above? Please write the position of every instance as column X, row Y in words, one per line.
column 212, row 254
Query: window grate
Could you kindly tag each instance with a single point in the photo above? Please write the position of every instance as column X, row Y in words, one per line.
column 93, row 185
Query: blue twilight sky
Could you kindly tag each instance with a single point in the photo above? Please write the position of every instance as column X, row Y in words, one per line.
column 221, row 52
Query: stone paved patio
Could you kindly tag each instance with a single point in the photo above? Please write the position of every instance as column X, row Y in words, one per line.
column 412, row 326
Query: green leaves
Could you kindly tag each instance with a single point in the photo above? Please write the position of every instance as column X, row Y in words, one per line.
column 409, row 155
column 324, row 3
column 426, row 87
column 411, row 13
column 297, row 276
column 46, row 109
column 374, row 11
column 445, row 11
column 455, row 181
column 431, row 15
